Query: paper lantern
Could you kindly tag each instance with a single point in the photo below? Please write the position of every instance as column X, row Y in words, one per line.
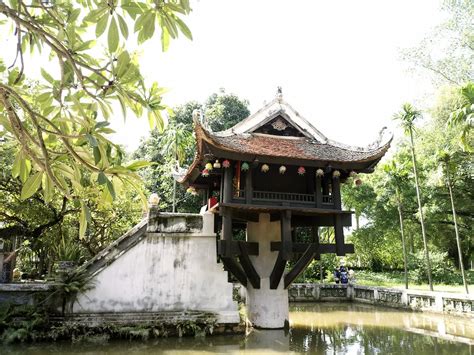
column 217, row 165
column 245, row 166
column 336, row 173
column 265, row 168
column 320, row 173
column 226, row 163
column 191, row 190
column 282, row 169
column 209, row 166
column 301, row 170
column 205, row 173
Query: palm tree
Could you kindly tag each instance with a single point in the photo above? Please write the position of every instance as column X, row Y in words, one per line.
column 396, row 174
column 174, row 143
column 464, row 115
column 407, row 117
column 445, row 159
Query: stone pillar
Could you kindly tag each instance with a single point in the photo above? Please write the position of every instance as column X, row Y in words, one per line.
column 266, row 308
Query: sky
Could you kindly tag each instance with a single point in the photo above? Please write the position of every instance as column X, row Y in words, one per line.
column 338, row 61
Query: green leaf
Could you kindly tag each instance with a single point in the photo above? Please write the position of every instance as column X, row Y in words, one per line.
column 139, row 164
column 185, row 29
column 46, row 75
column 123, row 26
column 92, row 140
column 25, row 168
column 17, row 165
column 48, row 189
column 31, row 185
column 96, row 152
column 102, row 124
column 111, row 189
column 165, row 40
column 83, row 220
column 101, row 25
column 102, row 178
column 113, row 37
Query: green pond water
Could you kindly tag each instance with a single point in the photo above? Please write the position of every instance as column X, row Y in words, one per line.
column 317, row 328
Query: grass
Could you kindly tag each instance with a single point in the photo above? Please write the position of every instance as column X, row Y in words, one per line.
column 396, row 279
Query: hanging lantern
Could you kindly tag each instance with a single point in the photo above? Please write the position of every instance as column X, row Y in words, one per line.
column 245, row 166
column 320, row 173
column 205, row 173
column 336, row 173
column 226, row 163
column 282, row 169
column 217, row 165
column 352, row 174
column 265, row 168
column 301, row 170
column 358, row 182
column 209, row 166
column 191, row 190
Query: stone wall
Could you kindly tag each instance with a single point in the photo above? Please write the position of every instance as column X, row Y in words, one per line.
column 172, row 268
column 412, row 299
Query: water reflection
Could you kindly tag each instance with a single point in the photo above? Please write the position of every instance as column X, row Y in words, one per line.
column 323, row 328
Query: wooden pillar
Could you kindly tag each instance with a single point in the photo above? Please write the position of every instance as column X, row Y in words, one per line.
column 339, row 235
column 325, row 182
column 286, row 244
column 226, row 235
column 336, row 193
column 248, row 185
column 227, row 185
column 318, row 193
column 226, row 216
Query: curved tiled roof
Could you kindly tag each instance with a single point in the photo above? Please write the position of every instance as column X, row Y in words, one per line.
column 302, row 148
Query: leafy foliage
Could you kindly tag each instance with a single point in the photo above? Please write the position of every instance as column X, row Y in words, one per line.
column 176, row 145
column 61, row 120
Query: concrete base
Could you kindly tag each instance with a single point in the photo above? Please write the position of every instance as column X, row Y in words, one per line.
column 266, row 308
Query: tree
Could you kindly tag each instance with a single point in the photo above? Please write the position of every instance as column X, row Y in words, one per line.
column 445, row 159
column 396, row 174
column 223, row 111
column 447, row 51
column 61, row 120
column 44, row 232
column 407, row 117
column 175, row 142
column 463, row 115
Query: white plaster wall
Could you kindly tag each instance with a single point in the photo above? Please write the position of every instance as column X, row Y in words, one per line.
column 164, row 272
column 266, row 308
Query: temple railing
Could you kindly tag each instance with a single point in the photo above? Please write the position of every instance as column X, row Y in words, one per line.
column 271, row 197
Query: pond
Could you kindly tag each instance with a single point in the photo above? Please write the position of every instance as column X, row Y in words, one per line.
column 317, row 328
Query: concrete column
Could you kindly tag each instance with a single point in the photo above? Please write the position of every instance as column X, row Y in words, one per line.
column 266, row 308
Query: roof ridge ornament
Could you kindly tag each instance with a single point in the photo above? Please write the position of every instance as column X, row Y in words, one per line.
column 279, row 94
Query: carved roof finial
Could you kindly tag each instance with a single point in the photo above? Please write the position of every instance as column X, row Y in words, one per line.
column 279, row 93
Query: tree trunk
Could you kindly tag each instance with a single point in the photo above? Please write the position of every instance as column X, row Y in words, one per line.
column 403, row 238
column 420, row 208
column 458, row 241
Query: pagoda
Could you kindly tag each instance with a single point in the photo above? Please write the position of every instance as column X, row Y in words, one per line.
column 264, row 178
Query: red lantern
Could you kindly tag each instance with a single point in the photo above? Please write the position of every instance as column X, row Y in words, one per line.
column 226, row 163
column 205, row 173
column 301, row 170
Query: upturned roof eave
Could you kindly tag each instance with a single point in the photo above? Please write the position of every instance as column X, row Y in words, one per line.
column 204, row 136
